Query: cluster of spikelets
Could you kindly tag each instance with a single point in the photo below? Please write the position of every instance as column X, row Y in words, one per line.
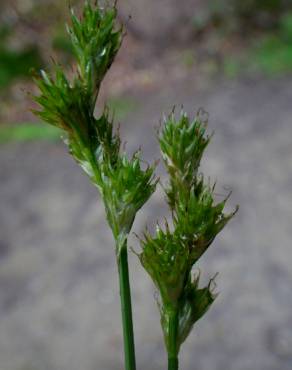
column 70, row 105
column 170, row 255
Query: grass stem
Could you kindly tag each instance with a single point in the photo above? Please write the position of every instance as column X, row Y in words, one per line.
column 173, row 338
column 126, row 306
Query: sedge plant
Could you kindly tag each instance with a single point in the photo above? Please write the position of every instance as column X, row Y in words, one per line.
column 169, row 255
column 125, row 184
column 69, row 104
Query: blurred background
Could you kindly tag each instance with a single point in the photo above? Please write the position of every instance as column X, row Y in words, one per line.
column 59, row 305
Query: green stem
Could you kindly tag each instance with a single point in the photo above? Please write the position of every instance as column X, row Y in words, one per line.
column 125, row 292
column 172, row 340
column 172, row 363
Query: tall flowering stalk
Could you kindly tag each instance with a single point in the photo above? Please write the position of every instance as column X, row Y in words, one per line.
column 69, row 104
column 171, row 253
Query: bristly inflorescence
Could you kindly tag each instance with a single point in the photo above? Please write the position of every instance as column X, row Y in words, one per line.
column 69, row 105
column 170, row 255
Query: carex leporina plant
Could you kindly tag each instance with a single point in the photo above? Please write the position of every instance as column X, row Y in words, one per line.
column 125, row 184
column 171, row 253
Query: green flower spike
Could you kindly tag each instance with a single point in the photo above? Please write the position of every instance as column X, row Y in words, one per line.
column 69, row 104
column 170, row 255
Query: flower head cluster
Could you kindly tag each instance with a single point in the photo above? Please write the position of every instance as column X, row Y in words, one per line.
column 170, row 255
column 69, row 105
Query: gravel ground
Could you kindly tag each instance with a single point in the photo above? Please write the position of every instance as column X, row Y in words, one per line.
column 59, row 306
